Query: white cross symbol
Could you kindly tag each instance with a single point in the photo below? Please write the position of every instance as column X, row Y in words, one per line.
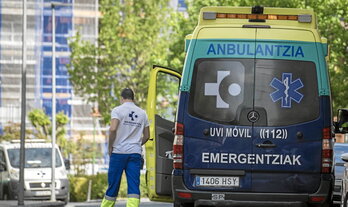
column 212, row 89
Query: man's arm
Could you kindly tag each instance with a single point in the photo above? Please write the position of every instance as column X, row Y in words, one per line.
column 112, row 133
column 146, row 135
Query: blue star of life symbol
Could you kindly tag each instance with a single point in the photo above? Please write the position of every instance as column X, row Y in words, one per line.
column 286, row 90
column 132, row 115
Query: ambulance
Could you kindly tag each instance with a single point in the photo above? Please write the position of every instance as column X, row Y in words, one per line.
column 252, row 124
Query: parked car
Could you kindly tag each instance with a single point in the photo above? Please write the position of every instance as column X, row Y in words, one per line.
column 37, row 172
column 339, row 168
column 344, row 194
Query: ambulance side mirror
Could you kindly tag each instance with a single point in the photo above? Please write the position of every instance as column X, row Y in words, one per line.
column 341, row 126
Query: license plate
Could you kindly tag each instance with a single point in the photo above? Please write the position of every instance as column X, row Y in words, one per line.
column 43, row 193
column 217, row 181
column 217, row 197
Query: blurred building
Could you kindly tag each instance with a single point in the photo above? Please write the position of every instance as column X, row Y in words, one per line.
column 77, row 15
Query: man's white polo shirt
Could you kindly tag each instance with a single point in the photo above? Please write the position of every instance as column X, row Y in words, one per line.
column 132, row 121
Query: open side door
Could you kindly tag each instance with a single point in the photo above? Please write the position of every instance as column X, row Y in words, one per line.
column 163, row 95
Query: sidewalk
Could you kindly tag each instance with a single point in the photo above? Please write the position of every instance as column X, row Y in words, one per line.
column 14, row 203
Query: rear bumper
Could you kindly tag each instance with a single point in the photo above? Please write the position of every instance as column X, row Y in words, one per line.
column 251, row 199
column 337, row 192
column 248, row 203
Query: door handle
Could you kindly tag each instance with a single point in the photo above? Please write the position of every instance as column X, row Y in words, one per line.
column 266, row 144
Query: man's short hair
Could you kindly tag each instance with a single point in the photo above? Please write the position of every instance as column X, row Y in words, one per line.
column 127, row 93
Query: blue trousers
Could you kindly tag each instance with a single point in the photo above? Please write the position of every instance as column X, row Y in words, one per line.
column 130, row 163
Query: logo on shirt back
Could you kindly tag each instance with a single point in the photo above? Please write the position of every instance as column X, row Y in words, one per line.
column 132, row 115
column 132, row 120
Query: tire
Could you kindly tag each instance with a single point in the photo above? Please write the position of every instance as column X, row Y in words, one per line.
column 345, row 201
column 66, row 201
column 5, row 196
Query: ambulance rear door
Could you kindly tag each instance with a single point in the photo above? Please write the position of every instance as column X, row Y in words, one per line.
column 162, row 101
column 217, row 132
column 287, row 136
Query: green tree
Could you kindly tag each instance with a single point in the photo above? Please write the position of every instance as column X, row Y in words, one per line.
column 82, row 154
column 41, row 122
column 43, row 128
column 62, row 141
column 13, row 131
column 331, row 17
column 81, row 150
column 133, row 36
column 125, row 27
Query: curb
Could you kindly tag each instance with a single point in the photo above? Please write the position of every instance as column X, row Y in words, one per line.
column 32, row 204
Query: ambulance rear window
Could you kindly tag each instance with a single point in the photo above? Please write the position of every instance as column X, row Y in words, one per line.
column 221, row 88
column 225, row 90
column 287, row 90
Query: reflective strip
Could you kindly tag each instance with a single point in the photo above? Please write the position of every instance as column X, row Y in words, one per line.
column 107, row 203
column 109, row 198
column 133, row 202
column 133, row 196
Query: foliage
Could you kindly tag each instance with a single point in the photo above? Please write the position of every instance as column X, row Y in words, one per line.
column 331, row 17
column 42, row 125
column 79, row 187
column 12, row 131
column 82, row 153
column 135, row 34
column 132, row 37
column 61, row 121
column 78, row 191
column 43, row 128
column 41, row 122
column 167, row 96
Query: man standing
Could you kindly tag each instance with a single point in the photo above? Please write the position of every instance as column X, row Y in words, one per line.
column 129, row 130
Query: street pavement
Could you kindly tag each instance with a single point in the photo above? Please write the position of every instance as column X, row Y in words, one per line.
column 121, row 203
column 28, row 203
column 145, row 202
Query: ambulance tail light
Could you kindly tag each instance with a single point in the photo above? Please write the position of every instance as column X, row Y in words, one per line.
column 185, row 195
column 178, row 146
column 327, row 151
column 317, row 199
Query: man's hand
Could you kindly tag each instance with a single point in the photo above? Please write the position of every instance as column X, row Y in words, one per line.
column 110, row 150
column 146, row 135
